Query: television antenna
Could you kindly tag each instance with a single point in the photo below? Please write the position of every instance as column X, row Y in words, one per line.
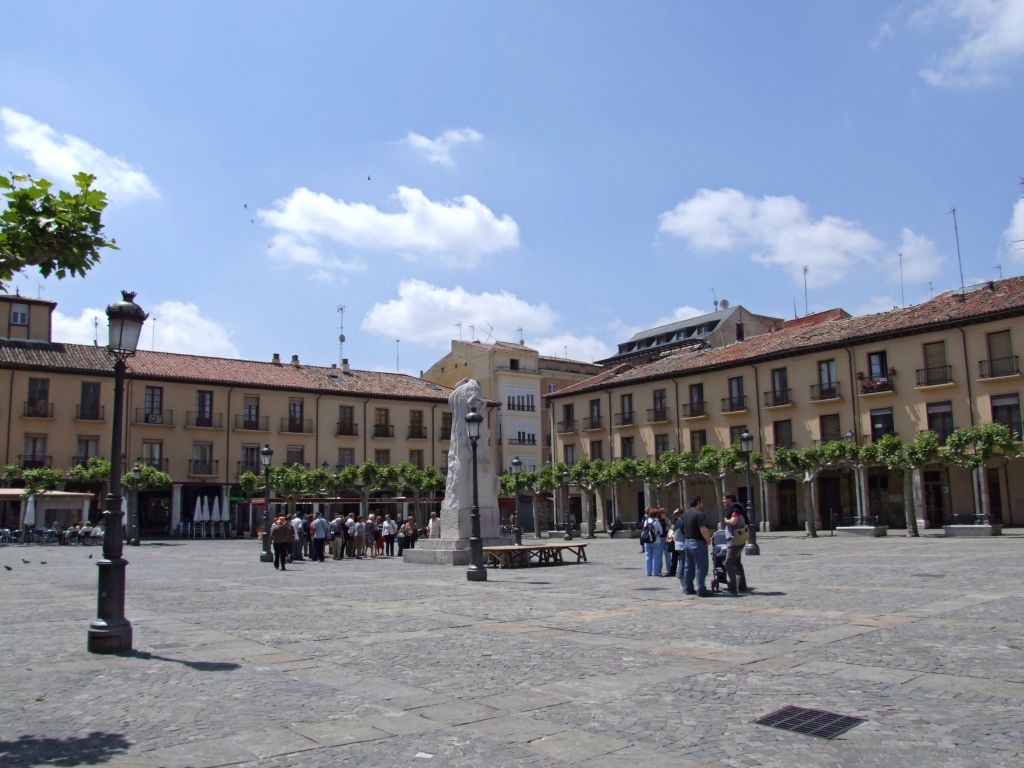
column 341, row 334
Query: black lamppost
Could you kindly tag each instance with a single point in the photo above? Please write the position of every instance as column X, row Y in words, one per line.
column 566, row 515
column 133, row 522
column 110, row 631
column 266, row 457
column 517, row 467
column 747, row 445
column 476, row 570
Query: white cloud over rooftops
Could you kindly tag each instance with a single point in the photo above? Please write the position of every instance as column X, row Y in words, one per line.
column 585, row 348
column 457, row 231
column 780, row 230
column 59, row 157
column 992, row 40
column 439, row 150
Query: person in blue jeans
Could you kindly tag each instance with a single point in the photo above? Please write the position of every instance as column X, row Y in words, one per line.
column 652, row 536
column 692, row 530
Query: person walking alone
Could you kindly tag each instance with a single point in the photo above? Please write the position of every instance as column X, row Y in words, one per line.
column 281, row 537
column 652, row 536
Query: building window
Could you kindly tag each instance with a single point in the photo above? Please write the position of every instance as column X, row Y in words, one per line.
column 594, row 420
column 735, row 433
column 416, row 458
column 204, row 408
column 698, row 439
column 34, row 455
column 1006, row 410
column 251, row 459
column 736, row 401
column 446, row 424
column 1001, row 360
column 89, row 401
column 569, row 454
column 881, row 423
column 782, row 432
column 627, row 448
column 552, row 388
column 828, row 387
column 202, row 459
column 660, row 445
column 780, row 387
column 695, row 406
column 568, row 418
column 513, row 364
column 829, row 428
column 19, row 314
column 250, row 412
column 86, row 447
column 936, row 370
column 153, row 405
column 878, row 366
column 295, row 454
column 38, row 403
column 739, row 331
column 660, row 404
column 153, row 453
column 346, row 457
column 382, row 456
column 940, row 419
column 596, row 449
column 346, row 420
column 296, row 411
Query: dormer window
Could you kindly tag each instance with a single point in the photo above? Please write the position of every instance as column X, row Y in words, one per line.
column 513, row 364
column 19, row 314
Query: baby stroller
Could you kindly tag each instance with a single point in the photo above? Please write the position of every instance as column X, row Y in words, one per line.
column 718, row 575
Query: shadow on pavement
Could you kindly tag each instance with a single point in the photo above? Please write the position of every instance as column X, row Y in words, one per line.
column 97, row 747
column 199, row 666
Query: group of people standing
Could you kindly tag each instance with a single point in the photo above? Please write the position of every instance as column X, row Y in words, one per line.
column 682, row 546
column 357, row 537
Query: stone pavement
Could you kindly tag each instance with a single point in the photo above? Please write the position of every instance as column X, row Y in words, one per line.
column 382, row 663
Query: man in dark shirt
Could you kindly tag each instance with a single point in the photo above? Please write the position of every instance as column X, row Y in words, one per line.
column 692, row 530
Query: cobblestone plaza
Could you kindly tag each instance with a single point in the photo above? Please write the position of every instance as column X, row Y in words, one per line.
column 383, row 663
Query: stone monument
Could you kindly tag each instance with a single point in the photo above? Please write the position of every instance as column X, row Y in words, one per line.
column 453, row 546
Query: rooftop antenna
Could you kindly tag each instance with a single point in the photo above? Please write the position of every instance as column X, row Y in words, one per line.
column 566, row 349
column 956, row 232
column 490, row 332
column 806, row 270
column 459, row 326
column 521, row 341
column 931, row 293
column 398, row 367
column 341, row 334
column 472, row 333
column 795, row 315
column 152, row 338
column 715, row 297
column 903, row 298
column 1000, row 268
column 95, row 331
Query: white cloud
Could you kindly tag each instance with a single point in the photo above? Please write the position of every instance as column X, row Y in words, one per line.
column 992, row 40
column 439, row 150
column 453, row 232
column 428, row 313
column 625, row 331
column 174, row 326
column 60, row 156
column 885, row 32
column 921, row 259
column 586, row 348
column 875, row 304
column 779, row 229
column 321, row 266
column 1013, row 237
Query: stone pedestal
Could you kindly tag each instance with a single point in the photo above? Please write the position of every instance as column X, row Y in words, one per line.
column 446, row 551
column 973, row 530
column 862, row 530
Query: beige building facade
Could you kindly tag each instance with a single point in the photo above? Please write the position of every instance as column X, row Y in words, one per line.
column 947, row 363
column 204, row 420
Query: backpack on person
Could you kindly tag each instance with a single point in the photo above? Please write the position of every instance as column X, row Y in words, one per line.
column 647, row 534
column 740, row 536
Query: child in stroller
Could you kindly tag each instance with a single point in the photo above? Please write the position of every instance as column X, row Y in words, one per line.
column 718, row 576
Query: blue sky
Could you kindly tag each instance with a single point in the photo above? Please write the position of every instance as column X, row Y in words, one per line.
column 577, row 170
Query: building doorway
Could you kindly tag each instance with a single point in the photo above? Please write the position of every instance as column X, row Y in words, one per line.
column 789, row 516
column 934, row 511
column 830, row 500
column 995, row 497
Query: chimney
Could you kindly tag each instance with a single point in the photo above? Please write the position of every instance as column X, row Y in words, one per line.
column 334, row 365
column 295, row 360
column 344, row 365
column 276, row 359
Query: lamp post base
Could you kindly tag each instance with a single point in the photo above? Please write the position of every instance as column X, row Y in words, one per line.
column 266, row 556
column 109, row 636
column 110, row 632
column 476, row 573
column 751, row 548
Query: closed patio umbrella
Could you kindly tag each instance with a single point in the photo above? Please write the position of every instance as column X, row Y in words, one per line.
column 197, row 514
column 29, row 519
column 215, row 514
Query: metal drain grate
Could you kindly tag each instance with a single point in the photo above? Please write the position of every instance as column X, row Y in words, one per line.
column 811, row 722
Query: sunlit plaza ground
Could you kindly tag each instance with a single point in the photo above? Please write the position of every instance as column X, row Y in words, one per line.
column 382, row 663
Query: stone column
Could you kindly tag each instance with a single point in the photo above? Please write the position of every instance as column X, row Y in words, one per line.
column 175, row 506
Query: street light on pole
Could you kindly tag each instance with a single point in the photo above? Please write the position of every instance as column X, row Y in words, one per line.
column 517, row 467
column 566, row 515
column 110, row 631
column 747, row 445
column 476, row 570
column 266, row 457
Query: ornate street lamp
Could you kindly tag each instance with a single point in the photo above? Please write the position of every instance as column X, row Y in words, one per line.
column 266, row 458
column 110, row 631
column 476, row 570
column 517, row 467
column 747, row 445
column 566, row 515
column 133, row 522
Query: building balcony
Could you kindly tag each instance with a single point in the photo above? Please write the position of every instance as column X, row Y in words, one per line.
column 347, row 429
column 734, row 404
column 35, row 461
column 995, row 367
column 204, row 420
column 153, row 461
column 828, row 390
column 89, row 412
column 625, row 419
column 510, row 406
column 569, row 425
column 695, row 410
column 657, row 414
column 417, row 433
column 526, row 440
column 383, row 430
column 297, row 426
column 933, row 377
column 154, row 418
column 592, row 422
column 876, row 386
column 203, row 467
column 82, row 459
column 1013, row 424
column 245, row 423
column 776, row 398
column 37, row 409
column 249, row 466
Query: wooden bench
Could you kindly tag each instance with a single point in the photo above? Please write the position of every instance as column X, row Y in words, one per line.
column 522, row 555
